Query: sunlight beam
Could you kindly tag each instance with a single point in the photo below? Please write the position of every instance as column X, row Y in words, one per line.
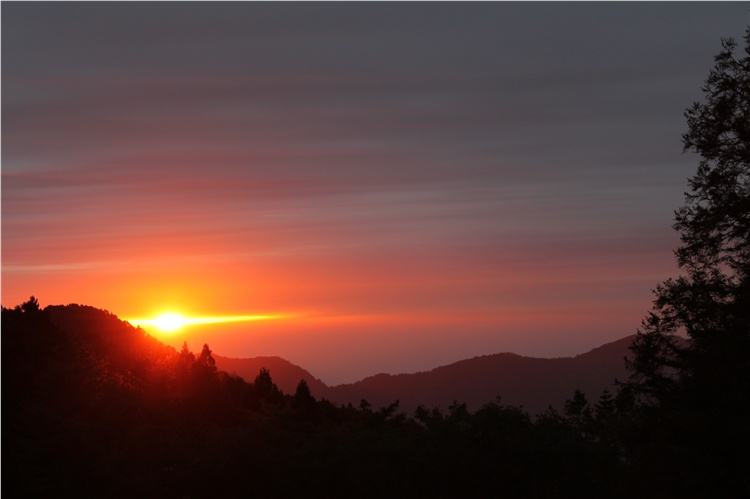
column 172, row 321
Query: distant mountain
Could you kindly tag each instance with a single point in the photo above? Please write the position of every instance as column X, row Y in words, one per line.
column 285, row 374
column 533, row 383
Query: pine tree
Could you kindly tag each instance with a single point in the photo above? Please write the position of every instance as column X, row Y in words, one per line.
column 605, row 407
column 265, row 387
column 185, row 351
column 303, row 398
column 206, row 360
column 578, row 413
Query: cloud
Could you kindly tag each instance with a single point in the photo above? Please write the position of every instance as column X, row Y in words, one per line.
column 394, row 159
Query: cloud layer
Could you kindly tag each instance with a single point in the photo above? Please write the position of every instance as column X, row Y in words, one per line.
column 455, row 179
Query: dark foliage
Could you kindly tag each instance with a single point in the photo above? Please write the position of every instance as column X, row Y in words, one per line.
column 691, row 369
column 95, row 407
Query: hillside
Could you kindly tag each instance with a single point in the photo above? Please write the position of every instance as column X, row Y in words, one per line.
column 533, row 383
column 93, row 407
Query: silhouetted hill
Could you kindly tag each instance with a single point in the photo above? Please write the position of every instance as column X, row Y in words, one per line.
column 533, row 383
column 285, row 374
column 93, row 407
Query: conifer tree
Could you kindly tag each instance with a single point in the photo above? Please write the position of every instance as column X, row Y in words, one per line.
column 710, row 301
column 690, row 373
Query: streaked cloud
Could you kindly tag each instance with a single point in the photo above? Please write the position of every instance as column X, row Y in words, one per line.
column 435, row 174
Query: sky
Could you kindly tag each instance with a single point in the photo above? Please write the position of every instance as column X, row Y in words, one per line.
column 405, row 184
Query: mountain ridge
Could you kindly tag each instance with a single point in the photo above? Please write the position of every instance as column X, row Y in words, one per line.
column 531, row 382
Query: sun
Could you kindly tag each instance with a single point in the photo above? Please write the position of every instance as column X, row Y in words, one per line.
column 169, row 322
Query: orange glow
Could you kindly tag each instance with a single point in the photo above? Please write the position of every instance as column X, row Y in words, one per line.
column 169, row 322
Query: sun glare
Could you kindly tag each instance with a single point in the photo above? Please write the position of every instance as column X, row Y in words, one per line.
column 169, row 322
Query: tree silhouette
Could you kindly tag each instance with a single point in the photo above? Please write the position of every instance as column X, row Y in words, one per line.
column 205, row 359
column 303, row 391
column 30, row 306
column 710, row 302
column 605, row 406
column 265, row 387
column 185, row 352
column 303, row 398
column 685, row 384
column 578, row 412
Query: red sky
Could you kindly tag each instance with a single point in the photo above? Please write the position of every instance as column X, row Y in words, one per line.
column 411, row 187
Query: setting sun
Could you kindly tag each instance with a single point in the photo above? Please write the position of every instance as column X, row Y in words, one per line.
column 169, row 322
